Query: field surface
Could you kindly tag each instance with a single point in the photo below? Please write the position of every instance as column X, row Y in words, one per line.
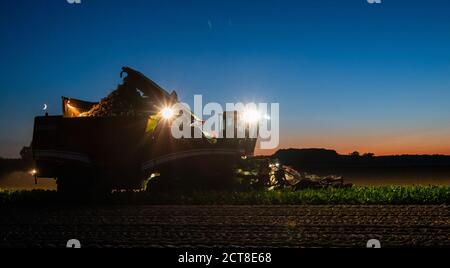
column 227, row 226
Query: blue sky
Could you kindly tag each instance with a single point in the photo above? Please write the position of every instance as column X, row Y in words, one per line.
column 348, row 75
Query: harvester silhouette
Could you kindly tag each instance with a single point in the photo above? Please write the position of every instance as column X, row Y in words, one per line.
column 122, row 142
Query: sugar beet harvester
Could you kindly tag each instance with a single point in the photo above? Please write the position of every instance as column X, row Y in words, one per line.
column 123, row 140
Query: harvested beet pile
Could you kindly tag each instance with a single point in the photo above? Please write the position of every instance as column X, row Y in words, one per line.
column 124, row 101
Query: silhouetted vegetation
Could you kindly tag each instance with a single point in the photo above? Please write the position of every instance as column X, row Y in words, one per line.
column 417, row 195
column 367, row 168
column 314, row 158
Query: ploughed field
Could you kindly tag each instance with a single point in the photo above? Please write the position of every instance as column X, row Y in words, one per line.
column 227, row 226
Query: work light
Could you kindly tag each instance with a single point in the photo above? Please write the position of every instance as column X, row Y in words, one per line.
column 167, row 113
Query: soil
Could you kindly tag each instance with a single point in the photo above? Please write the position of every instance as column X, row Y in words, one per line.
column 227, row 226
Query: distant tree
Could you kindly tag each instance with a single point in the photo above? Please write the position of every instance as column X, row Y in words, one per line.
column 26, row 153
column 355, row 154
column 368, row 155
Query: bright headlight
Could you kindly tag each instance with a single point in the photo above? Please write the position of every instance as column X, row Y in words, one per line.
column 251, row 116
column 167, row 113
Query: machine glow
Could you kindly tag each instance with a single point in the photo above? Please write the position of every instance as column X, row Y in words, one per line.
column 251, row 116
column 167, row 113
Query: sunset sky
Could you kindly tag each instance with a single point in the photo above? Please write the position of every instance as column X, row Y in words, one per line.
column 348, row 75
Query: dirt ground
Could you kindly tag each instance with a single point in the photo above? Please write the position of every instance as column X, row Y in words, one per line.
column 227, row 226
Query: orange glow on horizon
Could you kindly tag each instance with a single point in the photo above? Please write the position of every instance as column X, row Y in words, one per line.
column 428, row 142
column 362, row 150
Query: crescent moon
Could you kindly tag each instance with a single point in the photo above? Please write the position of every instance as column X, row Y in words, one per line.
column 45, row 107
